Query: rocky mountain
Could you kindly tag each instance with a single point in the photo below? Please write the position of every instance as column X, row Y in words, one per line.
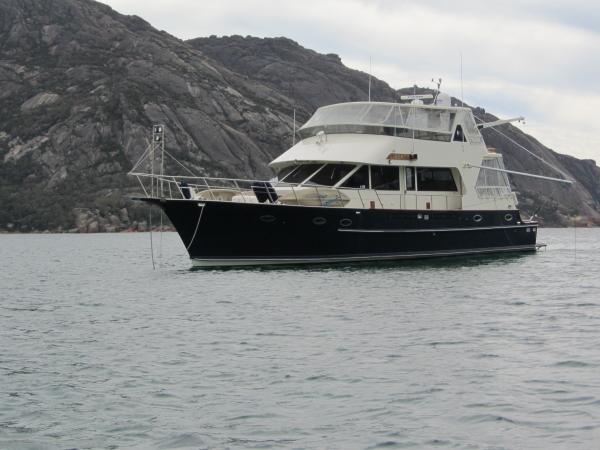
column 80, row 86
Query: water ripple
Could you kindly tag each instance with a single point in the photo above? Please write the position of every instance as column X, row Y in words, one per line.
column 99, row 351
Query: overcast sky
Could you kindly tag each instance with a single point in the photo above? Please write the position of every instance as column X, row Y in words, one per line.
column 537, row 58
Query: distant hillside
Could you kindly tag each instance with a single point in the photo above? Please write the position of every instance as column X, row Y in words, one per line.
column 80, row 86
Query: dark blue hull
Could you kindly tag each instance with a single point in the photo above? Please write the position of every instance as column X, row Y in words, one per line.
column 226, row 233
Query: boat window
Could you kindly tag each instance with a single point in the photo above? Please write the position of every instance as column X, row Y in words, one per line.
column 359, row 179
column 302, row 173
column 471, row 128
column 381, row 130
column 459, row 135
column 410, row 178
column 285, row 172
column 377, row 114
column 492, row 183
column 435, row 179
column 383, row 114
column 385, row 178
column 330, row 174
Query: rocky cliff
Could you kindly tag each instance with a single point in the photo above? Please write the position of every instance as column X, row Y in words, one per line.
column 80, row 86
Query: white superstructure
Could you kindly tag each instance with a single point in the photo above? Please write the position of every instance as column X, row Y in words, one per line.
column 399, row 156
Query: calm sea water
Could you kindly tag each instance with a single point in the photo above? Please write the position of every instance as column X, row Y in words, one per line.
column 97, row 350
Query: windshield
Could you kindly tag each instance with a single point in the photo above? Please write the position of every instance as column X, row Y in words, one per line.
column 383, row 114
column 331, row 174
column 301, row 173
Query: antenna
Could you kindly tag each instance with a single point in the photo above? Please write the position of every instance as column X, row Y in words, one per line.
column 462, row 96
column 437, row 92
column 294, row 135
column 158, row 144
column 370, row 70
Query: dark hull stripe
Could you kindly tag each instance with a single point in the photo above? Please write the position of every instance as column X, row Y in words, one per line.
column 358, row 258
column 436, row 230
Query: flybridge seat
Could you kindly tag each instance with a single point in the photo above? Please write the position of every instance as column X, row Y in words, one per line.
column 393, row 119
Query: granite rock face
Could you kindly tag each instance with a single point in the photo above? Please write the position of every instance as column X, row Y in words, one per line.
column 81, row 85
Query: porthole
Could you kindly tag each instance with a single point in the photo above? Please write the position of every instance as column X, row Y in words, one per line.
column 345, row 222
column 267, row 218
column 508, row 217
column 477, row 218
column 319, row 221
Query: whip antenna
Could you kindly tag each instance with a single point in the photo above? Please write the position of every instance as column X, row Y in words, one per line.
column 370, row 70
column 462, row 95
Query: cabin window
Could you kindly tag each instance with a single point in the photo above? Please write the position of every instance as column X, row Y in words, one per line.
column 302, row 173
column 331, row 174
column 378, row 130
column 435, row 179
column 410, row 178
column 459, row 135
column 492, row 183
column 471, row 129
column 385, row 178
column 359, row 179
column 285, row 172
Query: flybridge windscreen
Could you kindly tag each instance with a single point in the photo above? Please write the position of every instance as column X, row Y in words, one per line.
column 387, row 115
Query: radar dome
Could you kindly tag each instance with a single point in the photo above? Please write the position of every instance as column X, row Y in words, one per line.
column 443, row 99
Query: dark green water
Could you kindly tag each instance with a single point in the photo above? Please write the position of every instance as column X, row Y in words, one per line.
column 97, row 350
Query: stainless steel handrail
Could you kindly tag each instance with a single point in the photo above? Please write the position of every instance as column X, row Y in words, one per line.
column 243, row 187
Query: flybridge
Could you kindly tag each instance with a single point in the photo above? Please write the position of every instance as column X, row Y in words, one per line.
column 430, row 122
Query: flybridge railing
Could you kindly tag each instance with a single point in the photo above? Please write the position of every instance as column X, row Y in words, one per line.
column 278, row 192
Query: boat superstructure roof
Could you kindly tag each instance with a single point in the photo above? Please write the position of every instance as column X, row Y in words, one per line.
column 367, row 132
column 435, row 118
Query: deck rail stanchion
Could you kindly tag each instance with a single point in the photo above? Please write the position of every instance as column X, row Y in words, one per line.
column 239, row 190
column 212, row 194
column 318, row 196
column 378, row 198
column 360, row 198
column 339, row 198
column 170, row 192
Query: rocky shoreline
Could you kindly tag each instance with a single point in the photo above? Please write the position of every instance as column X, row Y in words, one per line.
column 79, row 98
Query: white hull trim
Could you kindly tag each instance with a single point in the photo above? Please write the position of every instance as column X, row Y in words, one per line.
column 229, row 262
column 437, row 230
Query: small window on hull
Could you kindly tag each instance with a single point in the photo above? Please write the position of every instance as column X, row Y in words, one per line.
column 359, row 179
